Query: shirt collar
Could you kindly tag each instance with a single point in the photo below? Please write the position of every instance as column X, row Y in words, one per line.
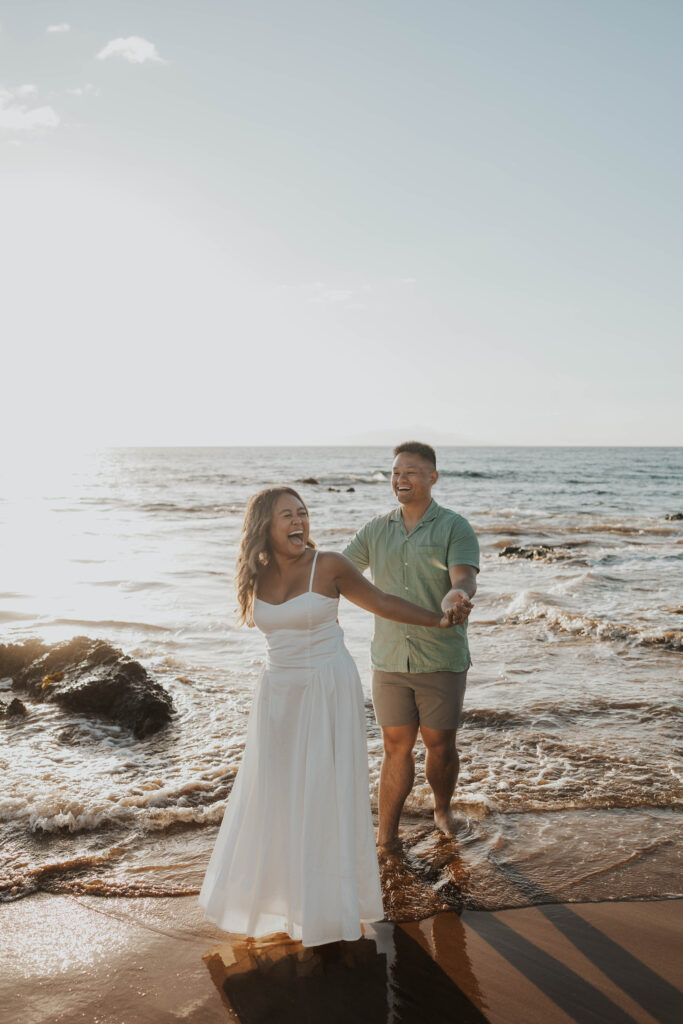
column 430, row 513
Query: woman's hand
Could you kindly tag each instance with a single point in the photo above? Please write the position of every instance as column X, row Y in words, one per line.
column 457, row 605
column 450, row 618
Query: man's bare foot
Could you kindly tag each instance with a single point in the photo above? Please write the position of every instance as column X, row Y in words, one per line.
column 392, row 845
column 450, row 823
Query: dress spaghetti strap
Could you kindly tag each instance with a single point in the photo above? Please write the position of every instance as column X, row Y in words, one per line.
column 310, row 582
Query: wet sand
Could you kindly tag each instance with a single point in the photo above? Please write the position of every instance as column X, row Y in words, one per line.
column 152, row 961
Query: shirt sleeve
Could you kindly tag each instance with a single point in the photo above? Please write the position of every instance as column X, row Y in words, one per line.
column 463, row 546
column 358, row 551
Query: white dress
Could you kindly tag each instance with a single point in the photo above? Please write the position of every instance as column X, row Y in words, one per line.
column 296, row 849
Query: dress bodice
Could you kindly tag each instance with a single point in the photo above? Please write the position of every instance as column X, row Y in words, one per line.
column 301, row 632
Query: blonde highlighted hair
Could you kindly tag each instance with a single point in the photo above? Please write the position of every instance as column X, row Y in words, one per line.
column 255, row 551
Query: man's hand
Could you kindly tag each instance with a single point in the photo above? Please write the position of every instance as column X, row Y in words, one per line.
column 457, row 606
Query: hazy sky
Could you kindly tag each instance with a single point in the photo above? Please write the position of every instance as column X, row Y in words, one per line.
column 295, row 221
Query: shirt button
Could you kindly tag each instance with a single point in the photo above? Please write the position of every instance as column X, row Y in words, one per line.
column 405, row 588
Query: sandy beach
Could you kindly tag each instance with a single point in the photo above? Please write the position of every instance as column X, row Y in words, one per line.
column 119, row 961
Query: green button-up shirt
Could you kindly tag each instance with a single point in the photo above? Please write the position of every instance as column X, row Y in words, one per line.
column 415, row 566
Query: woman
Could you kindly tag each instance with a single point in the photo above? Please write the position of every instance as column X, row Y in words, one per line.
column 296, row 850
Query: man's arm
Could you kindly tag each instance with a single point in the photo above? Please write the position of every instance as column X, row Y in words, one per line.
column 358, row 551
column 462, row 559
column 463, row 588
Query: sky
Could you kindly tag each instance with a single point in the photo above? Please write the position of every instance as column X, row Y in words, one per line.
column 320, row 222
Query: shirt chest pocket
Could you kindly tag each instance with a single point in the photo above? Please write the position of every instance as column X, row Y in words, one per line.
column 429, row 562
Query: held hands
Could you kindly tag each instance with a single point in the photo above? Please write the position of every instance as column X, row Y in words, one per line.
column 456, row 607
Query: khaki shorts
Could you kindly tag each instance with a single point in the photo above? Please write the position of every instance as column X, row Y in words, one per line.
column 433, row 699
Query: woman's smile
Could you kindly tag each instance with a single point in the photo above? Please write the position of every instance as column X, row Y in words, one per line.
column 289, row 526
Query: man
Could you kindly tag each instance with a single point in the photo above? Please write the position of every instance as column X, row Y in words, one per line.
column 429, row 555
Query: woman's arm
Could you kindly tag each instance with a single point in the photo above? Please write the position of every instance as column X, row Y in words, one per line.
column 356, row 588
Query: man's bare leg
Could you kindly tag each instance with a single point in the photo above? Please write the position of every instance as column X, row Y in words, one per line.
column 441, row 768
column 396, row 778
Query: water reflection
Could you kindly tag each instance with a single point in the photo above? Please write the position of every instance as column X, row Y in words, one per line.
column 384, row 978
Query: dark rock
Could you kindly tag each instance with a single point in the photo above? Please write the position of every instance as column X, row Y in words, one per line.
column 15, row 709
column 14, row 657
column 674, row 515
column 350, row 490
column 91, row 677
column 310, row 480
column 336, row 489
column 540, row 552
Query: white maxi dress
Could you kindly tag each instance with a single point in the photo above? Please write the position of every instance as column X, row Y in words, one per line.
column 296, row 850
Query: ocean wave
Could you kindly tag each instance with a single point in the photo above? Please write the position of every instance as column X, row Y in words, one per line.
column 489, row 718
column 421, row 802
column 565, row 783
column 81, row 873
column 147, row 807
column 101, row 885
column 210, row 511
column 555, row 714
column 10, row 616
column 145, row 627
column 343, row 480
column 624, row 529
column 504, row 528
column 561, row 621
column 473, row 474
column 19, row 878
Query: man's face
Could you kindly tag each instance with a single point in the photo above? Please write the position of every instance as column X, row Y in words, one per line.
column 412, row 478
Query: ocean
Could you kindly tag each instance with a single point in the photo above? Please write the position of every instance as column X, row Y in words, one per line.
column 570, row 746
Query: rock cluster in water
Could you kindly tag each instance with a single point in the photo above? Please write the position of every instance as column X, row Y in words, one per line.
column 15, row 709
column 91, row 677
column 544, row 552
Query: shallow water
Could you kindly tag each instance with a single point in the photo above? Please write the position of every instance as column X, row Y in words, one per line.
column 570, row 744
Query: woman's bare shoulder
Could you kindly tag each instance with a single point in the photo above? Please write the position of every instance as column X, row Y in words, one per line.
column 333, row 563
column 331, row 558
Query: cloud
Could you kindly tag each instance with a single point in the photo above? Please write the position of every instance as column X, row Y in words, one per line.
column 17, row 117
column 134, row 49
column 63, row 27
column 84, row 90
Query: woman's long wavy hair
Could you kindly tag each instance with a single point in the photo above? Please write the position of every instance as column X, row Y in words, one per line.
column 255, row 552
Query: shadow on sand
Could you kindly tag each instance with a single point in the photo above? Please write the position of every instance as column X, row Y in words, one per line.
column 384, row 977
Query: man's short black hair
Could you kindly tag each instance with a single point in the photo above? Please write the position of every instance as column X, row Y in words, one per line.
column 425, row 451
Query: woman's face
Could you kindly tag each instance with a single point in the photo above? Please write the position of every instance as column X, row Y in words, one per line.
column 288, row 531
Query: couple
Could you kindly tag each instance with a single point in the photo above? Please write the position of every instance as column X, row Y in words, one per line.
column 296, row 849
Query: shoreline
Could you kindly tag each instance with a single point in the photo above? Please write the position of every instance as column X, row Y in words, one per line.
column 153, row 960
